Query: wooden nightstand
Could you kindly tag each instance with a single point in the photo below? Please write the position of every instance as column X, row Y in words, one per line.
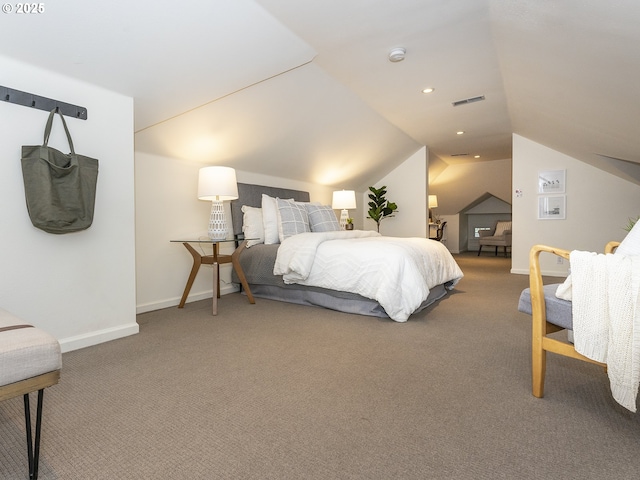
column 216, row 259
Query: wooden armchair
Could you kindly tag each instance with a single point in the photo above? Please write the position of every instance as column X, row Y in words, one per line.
column 549, row 314
column 498, row 236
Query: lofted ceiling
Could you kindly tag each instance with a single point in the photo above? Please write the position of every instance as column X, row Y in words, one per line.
column 304, row 89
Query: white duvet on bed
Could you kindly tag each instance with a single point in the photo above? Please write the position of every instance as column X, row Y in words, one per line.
column 396, row 272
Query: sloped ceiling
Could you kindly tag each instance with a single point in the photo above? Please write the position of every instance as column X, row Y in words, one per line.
column 570, row 71
column 304, row 90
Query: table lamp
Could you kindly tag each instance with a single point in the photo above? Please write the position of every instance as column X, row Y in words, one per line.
column 343, row 200
column 433, row 203
column 217, row 184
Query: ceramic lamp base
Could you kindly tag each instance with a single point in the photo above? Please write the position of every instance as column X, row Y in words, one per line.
column 218, row 229
column 343, row 219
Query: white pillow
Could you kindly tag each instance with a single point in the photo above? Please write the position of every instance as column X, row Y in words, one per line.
column 252, row 225
column 270, row 219
column 293, row 218
column 502, row 227
column 630, row 246
column 322, row 218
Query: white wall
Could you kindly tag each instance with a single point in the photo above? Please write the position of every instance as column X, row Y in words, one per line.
column 407, row 187
column 167, row 209
column 80, row 287
column 598, row 206
column 459, row 185
column 450, row 237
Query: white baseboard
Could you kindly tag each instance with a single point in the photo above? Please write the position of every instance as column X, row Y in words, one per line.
column 108, row 334
column 520, row 271
column 101, row 336
column 547, row 273
column 193, row 297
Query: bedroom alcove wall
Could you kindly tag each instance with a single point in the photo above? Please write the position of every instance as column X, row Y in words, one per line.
column 484, row 214
column 80, row 287
column 407, row 187
column 461, row 184
column 167, row 209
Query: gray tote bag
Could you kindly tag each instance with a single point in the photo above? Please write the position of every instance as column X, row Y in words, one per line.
column 60, row 188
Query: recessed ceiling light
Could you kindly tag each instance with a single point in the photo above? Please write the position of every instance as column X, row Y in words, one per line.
column 476, row 156
column 428, row 90
column 460, row 133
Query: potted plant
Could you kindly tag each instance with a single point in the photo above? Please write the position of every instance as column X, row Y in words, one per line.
column 379, row 206
column 349, row 225
column 631, row 223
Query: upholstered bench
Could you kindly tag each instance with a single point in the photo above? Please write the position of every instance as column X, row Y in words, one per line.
column 30, row 360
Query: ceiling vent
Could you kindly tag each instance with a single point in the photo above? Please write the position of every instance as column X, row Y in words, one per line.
column 459, row 154
column 468, row 100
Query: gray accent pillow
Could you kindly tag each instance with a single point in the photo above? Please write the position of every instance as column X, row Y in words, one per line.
column 293, row 218
column 322, row 218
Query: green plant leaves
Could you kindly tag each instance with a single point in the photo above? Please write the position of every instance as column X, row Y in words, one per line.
column 379, row 207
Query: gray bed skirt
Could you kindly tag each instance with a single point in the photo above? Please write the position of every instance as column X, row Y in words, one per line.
column 334, row 300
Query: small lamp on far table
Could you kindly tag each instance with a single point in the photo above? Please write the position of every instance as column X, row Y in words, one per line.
column 343, row 200
column 433, row 203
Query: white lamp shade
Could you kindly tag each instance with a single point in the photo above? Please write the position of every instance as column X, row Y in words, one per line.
column 433, row 201
column 217, row 183
column 344, row 199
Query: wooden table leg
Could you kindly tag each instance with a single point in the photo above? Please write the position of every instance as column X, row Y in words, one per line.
column 197, row 261
column 214, row 301
column 235, row 261
column 214, row 260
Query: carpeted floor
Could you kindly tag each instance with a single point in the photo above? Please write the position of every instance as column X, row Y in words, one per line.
column 279, row 391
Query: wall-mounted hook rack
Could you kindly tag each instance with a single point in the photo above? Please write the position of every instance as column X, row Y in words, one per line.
column 41, row 103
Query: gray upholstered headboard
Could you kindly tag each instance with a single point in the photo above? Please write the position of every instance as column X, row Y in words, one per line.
column 251, row 195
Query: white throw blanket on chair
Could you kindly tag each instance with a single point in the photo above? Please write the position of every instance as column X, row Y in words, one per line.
column 606, row 317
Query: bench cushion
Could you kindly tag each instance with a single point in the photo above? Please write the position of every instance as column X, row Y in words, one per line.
column 25, row 352
column 558, row 311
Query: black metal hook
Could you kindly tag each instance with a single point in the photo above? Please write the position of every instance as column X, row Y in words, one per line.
column 41, row 103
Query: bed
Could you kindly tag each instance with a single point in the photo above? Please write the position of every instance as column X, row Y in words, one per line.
column 357, row 272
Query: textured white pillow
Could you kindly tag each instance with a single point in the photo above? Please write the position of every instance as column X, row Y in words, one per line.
column 630, row 246
column 322, row 218
column 502, row 227
column 252, row 225
column 293, row 218
column 270, row 219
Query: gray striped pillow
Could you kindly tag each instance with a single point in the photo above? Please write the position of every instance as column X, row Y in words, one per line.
column 293, row 218
column 322, row 218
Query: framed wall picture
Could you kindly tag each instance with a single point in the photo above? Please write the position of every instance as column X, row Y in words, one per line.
column 552, row 207
column 551, row 181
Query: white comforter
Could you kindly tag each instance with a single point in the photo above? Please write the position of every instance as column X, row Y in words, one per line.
column 396, row 272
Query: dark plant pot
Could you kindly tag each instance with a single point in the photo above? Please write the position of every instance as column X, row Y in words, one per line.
column 348, row 226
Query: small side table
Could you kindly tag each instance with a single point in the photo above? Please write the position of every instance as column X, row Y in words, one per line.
column 215, row 259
